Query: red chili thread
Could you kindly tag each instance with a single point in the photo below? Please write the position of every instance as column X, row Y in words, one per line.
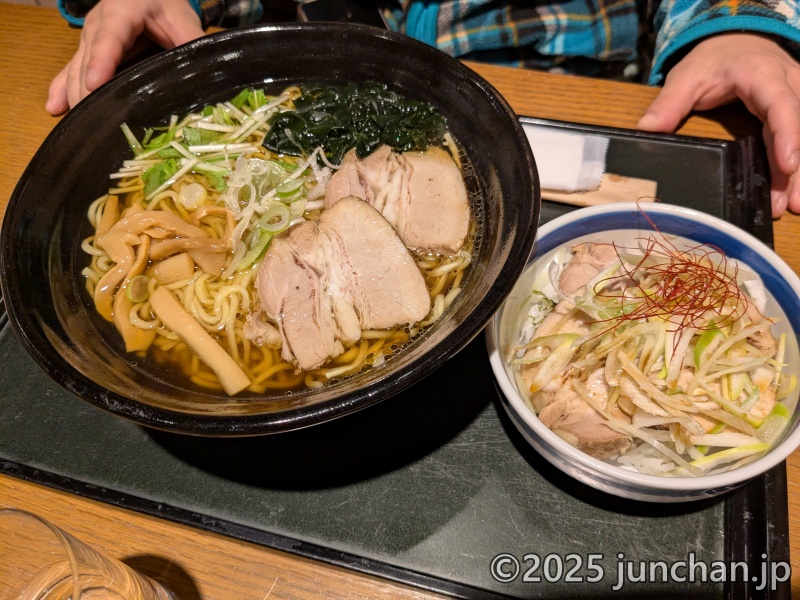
column 690, row 284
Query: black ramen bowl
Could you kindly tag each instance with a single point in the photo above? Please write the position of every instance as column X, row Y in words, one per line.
column 45, row 222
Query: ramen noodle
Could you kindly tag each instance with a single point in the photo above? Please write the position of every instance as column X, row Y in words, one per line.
column 180, row 237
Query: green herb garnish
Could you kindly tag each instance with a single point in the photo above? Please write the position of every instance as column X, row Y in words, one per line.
column 157, row 175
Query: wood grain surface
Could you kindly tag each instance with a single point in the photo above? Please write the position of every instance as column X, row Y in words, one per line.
column 35, row 43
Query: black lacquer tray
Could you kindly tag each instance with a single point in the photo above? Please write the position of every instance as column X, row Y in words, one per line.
column 431, row 485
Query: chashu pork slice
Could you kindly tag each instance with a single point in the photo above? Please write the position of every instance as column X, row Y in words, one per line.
column 437, row 215
column 292, row 294
column 422, row 194
column 570, row 417
column 557, row 404
column 370, row 268
column 322, row 284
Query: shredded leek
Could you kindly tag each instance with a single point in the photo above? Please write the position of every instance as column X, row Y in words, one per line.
column 689, row 363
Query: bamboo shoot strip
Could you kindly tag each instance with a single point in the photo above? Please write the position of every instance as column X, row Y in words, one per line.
column 174, row 317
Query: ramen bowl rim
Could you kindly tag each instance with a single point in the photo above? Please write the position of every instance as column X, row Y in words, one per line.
column 126, row 405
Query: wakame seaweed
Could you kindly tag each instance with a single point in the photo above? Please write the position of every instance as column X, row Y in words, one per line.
column 361, row 116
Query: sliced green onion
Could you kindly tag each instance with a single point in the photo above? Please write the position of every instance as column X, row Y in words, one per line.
column 239, row 100
column 132, row 141
column 138, row 289
column 719, row 427
column 276, row 211
column 287, row 166
column 256, row 251
column 192, row 196
column 779, row 356
column 786, row 384
column 555, row 362
column 704, row 345
column 550, row 341
column 289, row 189
column 257, row 98
column 751, row 400
column 729, row 439
column 722, row 457
column 774, row 425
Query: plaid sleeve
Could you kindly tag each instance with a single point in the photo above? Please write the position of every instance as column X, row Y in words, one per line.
column 523, row 33
column 682, row 23
column 229, row 13
column 219, row 13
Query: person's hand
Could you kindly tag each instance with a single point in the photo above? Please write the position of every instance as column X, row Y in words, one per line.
column 764, row 77
column 109, row 31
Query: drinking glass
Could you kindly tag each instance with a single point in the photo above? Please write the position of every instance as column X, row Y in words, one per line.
column 39, row 561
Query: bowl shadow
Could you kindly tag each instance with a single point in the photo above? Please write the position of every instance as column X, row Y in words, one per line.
column 376, row 440
column 589, row 495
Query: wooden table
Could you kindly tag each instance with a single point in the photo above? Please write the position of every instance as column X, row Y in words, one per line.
column 34, row 45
